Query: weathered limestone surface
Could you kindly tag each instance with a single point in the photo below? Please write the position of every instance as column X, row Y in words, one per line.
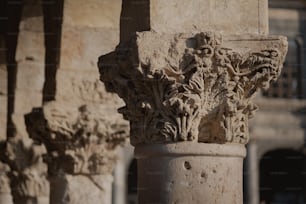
column 187, row 72
column 81, row 129
column 79, row 140
column 28, row 173
column 81, row 143
column 232, row 17
column 180, row 16
column 29, row 182
column 185, row 80
column 190, row 165
column 93, row 13
column 30, row 55
column 80, row 189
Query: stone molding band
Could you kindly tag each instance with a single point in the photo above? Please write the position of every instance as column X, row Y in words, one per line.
column 189, row 149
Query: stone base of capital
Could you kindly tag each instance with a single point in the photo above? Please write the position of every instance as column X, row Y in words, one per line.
column 80, row 189
column 188, row 172
column 6, row 198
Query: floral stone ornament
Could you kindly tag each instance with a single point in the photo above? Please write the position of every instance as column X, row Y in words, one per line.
column 191, row 87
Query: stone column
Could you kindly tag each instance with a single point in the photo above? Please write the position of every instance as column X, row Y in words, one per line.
column 5, row 191
column 30, row 59
column 188, row 80
column 252, row 166
column 81, row 143
column 81, row 128
column 28, row 173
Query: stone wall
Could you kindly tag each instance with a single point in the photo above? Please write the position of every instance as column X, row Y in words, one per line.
column 30, row 59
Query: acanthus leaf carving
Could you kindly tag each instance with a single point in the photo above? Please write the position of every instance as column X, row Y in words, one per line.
column 191, row 88
column 80, row 139
column 28, row 172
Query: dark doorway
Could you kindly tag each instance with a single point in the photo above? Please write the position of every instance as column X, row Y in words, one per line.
column 283, row 177
column 132, row 183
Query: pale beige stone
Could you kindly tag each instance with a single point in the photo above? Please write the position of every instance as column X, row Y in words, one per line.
column 30, row 55
column 30, row 58
column 84, row 87
column 81, row 129
column 30, row 46
column 191, row 87
column 81, row 139
column 29, row 179
column 30, row 76
column 189, row 74
column 232, row 17
column 25, row 101
column 214, row 171
column 92, row 13
column 180, row 16
column 81, row 46
column 80, row 189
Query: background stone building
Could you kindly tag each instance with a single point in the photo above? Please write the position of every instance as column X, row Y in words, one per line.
column 276, row 162
column 48, row 55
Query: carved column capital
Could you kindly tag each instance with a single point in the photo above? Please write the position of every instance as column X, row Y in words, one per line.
column 79, row 139
column 191, row 87
column 4, row 180
column 28, row 171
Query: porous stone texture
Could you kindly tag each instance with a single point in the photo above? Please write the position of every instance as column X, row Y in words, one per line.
column 213, row 171
column 191, row 87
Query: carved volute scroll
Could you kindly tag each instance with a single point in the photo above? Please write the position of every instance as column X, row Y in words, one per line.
column 191, row 87
column 79, row 139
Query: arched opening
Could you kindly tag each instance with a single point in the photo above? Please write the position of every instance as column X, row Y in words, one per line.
column 283, row 177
